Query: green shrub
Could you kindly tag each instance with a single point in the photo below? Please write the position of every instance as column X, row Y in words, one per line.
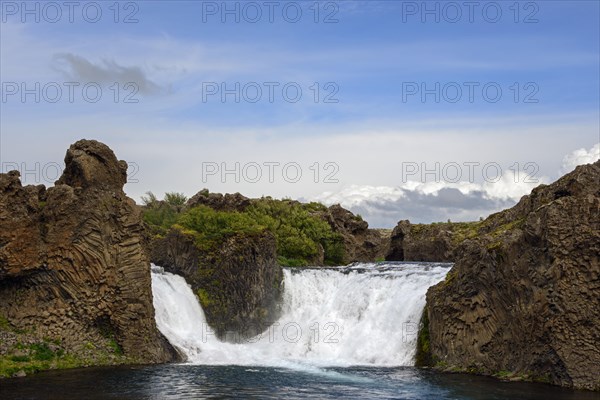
column 313, row 206
column 211, row 228
column 149, row 199
column 176, row 200
column 19, row 358
column 160, row 217
column 42, row 352
column 300, row 232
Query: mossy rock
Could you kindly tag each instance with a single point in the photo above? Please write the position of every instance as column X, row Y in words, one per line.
column 423, row 357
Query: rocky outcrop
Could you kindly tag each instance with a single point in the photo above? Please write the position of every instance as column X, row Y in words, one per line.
column 361, row 244
column 428, row 242
column 523, row 298
column 72, row 265
column 218, row 201
column 239, row 284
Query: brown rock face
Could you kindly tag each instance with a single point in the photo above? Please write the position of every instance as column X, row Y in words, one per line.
column 239, row 284
column 524, row 296
column 361, row 244
column 72, row 264
column 420, row 242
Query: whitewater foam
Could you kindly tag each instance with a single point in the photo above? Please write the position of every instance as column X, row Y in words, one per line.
column 365, row 314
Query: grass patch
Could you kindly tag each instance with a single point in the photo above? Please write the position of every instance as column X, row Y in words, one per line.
column 4, row 324
column 503, row 374
column 19, row 358
column 465, row 230
column 41, row 356
column 42, row 352
column 502, row 229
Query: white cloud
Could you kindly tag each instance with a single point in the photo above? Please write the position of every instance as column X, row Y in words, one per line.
column 428, row 202
column 580, row 157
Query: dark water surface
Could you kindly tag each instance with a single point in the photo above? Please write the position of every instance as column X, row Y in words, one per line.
column 186, row 381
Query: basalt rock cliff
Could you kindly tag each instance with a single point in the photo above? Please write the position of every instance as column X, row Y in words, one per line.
column 424, row 242
column 239, row 284
column 73, row 269
column 523, row 298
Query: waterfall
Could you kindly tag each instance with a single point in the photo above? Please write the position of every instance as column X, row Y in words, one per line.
column 364, row 314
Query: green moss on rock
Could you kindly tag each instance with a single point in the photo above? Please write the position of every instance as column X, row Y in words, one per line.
column 423, row 357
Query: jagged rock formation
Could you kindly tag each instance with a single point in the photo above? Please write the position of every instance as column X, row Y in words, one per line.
column 218, row 201
column 72, row 264
column 361, row 244
column 428, row 242
column 239, row 284
column 523, row 299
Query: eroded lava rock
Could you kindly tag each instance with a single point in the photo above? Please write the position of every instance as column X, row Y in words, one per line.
column 72, row 263
column 523, row 298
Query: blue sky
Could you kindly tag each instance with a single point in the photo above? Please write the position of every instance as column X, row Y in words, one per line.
column 373, row 59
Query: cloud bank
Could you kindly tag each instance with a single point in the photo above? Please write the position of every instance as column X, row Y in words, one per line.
column 428, row 202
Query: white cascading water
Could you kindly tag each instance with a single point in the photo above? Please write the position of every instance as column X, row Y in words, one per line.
column 366, row 314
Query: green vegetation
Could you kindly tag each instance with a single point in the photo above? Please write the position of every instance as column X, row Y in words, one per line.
column 210, row 228
column 160, row 217
column 45, row 354
column 300, row 232
column 33, row 358
column 516, row 224
column 423, row 356
column 503, row 374
column 12, row 365
column 19, row 358
column 461, row 231
column 116, row 348
column 4, row 324
column 42, row 352
column 205, row 298
column 465, row 230
column 450, row 277
column 106, row 330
